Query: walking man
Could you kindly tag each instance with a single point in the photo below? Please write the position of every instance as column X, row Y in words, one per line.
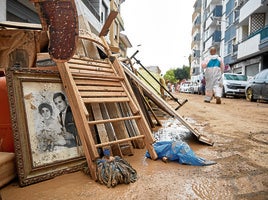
column 214, row 68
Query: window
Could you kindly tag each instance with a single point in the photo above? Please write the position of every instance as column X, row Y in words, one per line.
column 104, row 13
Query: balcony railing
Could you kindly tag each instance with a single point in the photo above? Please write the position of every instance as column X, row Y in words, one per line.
column 264, row 38
column 197, row 22
column 216, row 36
column 217, row 11
column 196, row 53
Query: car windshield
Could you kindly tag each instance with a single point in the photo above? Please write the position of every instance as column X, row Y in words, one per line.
column 235, row 77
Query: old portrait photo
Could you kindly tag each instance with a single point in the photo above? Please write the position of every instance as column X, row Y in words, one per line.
column 52, row 130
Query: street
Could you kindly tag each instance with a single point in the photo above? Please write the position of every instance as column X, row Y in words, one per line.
column 239, row 130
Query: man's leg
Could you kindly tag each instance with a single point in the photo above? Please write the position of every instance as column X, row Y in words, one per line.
column 218, row 93
column 208, row 96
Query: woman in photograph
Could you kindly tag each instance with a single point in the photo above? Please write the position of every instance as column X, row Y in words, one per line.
column 49, row 135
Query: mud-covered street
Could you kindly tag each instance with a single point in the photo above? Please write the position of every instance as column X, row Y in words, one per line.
column 239, row 130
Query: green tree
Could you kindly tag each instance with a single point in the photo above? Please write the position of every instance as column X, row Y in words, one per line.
column 170, row 76
column 182, row 73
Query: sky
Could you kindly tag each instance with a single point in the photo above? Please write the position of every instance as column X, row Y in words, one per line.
column 160, row 30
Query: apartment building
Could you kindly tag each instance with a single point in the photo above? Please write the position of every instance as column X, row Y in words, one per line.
column 196, row 45
column 246, row 51
column 94, row 11
column 239, row 31
column 206, row 32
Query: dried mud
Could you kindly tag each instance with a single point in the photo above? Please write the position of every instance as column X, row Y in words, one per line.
column 239, row 130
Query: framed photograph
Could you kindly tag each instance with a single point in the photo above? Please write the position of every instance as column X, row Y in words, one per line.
column 45, row 135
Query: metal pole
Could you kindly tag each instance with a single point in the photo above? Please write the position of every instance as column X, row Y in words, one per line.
column 174, row 98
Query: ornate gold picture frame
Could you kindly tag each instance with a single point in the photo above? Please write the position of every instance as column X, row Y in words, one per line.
column 42, row 145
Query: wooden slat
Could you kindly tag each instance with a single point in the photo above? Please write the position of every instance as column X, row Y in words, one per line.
column 93, row 72
column 167, row 108
column 90, row 67
column 110, row 130
column 94, row 82
column 105, row 100
column 103, row 135
column 90, row 63
column 97, row 76
column 108, row 22
column 102, row 94
column 99, row 88
column 119, row 141
column 84, row 132
column 119, row 127
column 113, row 120
column 87, row 59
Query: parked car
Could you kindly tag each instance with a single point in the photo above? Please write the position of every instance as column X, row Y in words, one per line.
column 234, row 84
column 257, row 88
column 185, row 87
column 194, row 87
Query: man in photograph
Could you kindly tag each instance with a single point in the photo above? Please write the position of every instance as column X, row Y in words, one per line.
column 66, row 120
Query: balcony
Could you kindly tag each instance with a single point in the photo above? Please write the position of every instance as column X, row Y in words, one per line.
column 249, row 8
column 217, row 11
column 197, row 21
column 196, row 53
column 263, row 38
column 216, row 36
column 254, row 44
column 249, row 47
column 214, row 39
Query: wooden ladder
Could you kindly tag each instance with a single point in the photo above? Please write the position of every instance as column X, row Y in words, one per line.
column 96, row 86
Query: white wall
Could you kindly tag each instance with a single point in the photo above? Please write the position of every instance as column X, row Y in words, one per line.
column 83, row 10
column 248, row 47
column 249, row 8
column 3, row 10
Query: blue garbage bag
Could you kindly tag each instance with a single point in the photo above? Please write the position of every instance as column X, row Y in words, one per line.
column 178, row 151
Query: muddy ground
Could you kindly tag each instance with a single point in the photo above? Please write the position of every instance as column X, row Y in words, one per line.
column 239, row 130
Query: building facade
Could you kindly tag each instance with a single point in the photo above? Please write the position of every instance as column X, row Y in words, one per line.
column 249, row 50
column 94, row 11
column 239, row 31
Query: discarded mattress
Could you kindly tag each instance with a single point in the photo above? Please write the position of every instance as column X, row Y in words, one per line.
column 178, row 151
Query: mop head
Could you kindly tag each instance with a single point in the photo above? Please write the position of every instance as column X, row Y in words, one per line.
column 112, row 171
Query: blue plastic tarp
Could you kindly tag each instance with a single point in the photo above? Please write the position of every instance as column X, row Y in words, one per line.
column 178, row 151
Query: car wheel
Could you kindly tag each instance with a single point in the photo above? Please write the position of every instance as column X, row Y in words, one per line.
column 249, row 94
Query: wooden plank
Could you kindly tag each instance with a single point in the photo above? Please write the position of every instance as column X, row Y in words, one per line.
column 76, row 58
column 90, row 67
column 105, row 100
column 141, row 123
column 131, row 125
column 90, row 63
column 120, row 141
column 99, row 88
column 167, row 107
column 93, row 72
column 97, row 76
column 143, row 127
column 89, row 82
column 119, row 127
column 103, row 136
column 115, row 148
column 84, row 131
column 113, row 120
column 108, row 22
column 102, row 94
